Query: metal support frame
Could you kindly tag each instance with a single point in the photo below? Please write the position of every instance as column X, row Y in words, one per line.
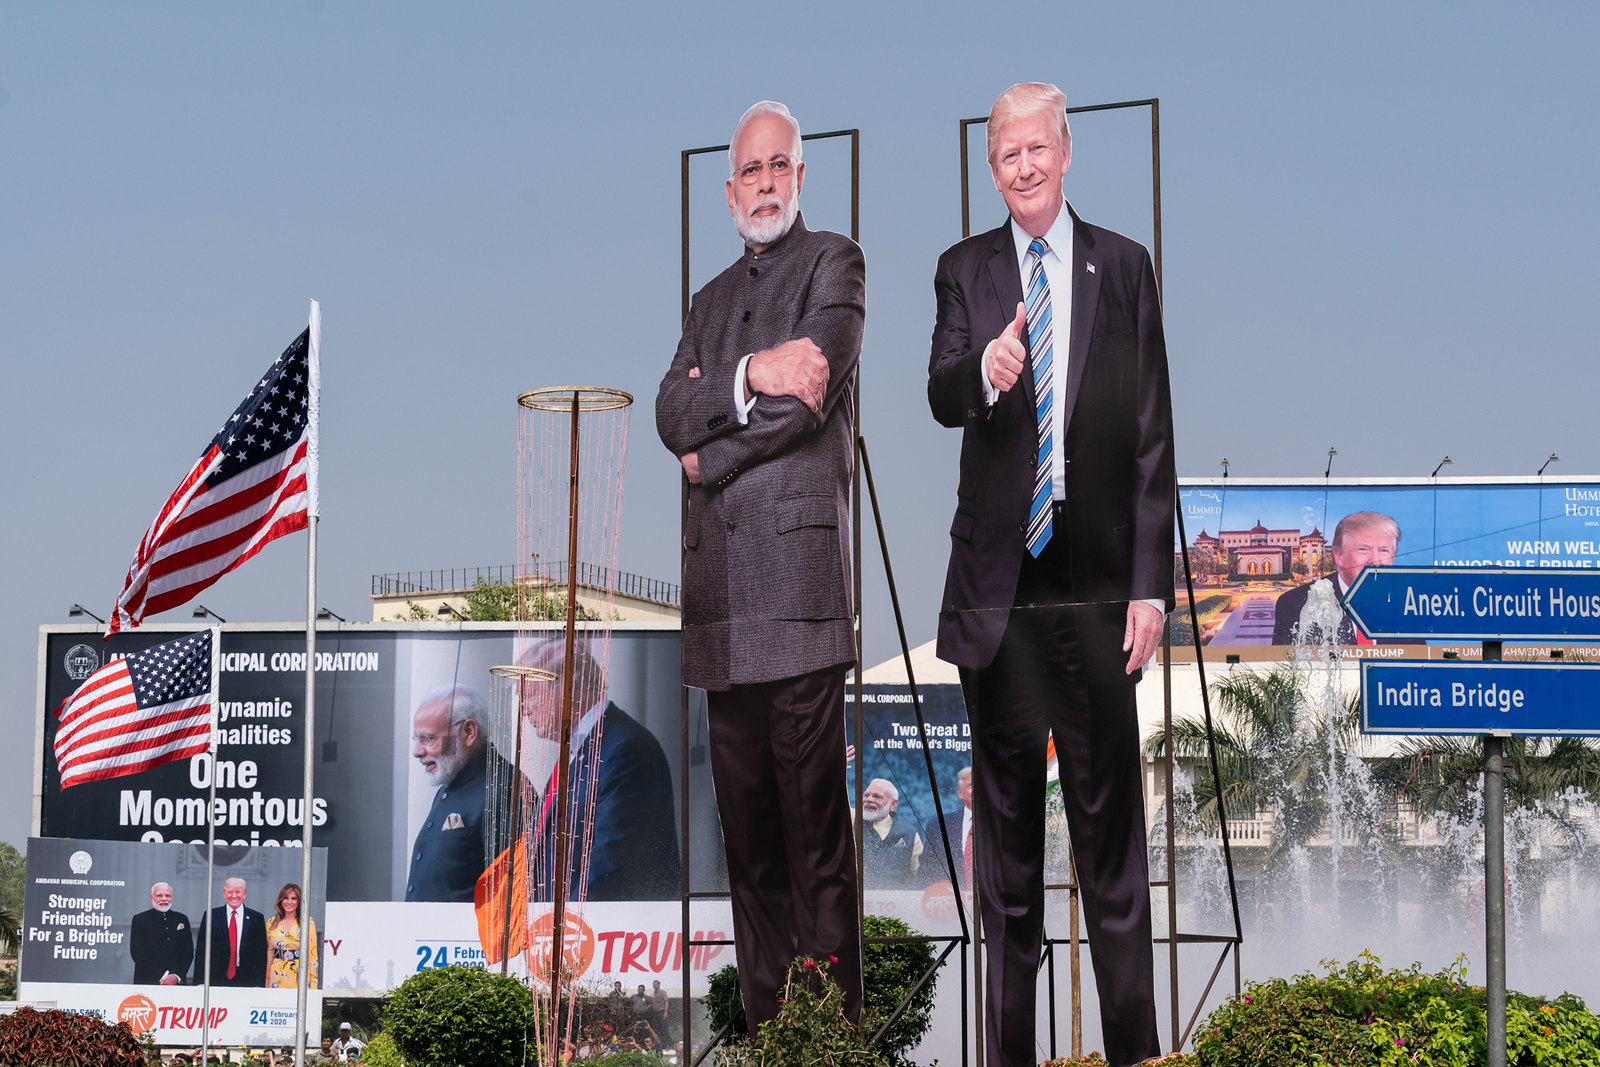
column 1174, row 937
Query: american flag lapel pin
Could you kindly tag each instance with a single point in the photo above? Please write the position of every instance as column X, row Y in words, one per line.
column 1090, row 266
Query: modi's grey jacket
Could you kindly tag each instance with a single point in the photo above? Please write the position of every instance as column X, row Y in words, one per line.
column 766, row 584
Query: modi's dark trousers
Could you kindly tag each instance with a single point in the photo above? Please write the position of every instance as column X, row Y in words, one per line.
column 777, row 761
column 1037, row 686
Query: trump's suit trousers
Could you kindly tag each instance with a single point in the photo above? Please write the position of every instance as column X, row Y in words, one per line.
column 1035, row 687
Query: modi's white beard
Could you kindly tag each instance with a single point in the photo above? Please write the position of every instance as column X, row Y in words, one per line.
column 871, row 812
column 766, row 231
column 448, row 762
column 163, row 907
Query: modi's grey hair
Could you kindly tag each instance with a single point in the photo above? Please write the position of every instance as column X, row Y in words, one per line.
column 755, row 111
column 465, row 703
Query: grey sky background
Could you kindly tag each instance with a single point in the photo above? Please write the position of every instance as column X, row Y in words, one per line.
column 1379, row 226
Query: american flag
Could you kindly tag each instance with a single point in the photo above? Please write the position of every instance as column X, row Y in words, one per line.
column 256, row 481
column 143, row 710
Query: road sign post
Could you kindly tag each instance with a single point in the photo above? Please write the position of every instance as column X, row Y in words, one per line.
column 1491, row 699
column 1494, row 885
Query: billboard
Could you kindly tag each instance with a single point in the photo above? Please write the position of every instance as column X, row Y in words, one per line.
column 905, row 850
column 374, row 947
column 398, row 827
column 121, row 929
column 1256, row 546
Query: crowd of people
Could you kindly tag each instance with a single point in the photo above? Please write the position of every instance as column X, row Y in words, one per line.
column 346, row 1048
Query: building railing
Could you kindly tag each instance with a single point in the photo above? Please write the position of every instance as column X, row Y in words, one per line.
column 1257, row 831
column 454, row 579
column 440, row 581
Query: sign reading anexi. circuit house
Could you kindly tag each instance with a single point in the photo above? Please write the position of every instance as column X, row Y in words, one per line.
column 1476, row 604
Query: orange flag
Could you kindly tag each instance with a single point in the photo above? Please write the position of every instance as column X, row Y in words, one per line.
column 507, row 875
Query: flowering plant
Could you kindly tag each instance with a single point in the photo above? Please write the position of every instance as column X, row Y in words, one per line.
column 1363, row 1014
column 810, row 1028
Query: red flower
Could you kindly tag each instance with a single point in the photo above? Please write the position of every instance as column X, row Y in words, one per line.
column 833, row 959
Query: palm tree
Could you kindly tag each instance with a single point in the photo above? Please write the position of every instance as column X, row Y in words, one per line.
column 1276, row 752
column 1445, row 774
column 10, row 933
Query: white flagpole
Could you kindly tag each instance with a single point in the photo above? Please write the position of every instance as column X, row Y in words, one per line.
column 313, row 508
column 211, row 843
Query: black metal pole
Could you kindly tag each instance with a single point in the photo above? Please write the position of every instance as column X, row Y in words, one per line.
column 1494, row 884
column 684, row 881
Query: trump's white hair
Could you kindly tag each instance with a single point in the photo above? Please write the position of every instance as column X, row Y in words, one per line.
column 755, row 111
column 1025, row 100
column 1375, row 521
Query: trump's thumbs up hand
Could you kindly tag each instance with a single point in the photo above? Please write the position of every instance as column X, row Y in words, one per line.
column 1003, row 358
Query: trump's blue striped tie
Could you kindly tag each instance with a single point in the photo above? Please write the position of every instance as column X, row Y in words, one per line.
column 1040, row 332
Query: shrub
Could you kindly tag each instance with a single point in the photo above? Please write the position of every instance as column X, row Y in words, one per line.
column 460, row 1017
column 627, row 1059
column 1094, row 1059
column 725, row 1005
column 30, row 1038
column 889, row 972
column 380, row 1051
column 1362, row 1014
column 810, row 1027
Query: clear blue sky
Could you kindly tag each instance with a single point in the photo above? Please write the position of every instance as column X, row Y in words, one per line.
column 1379, row 231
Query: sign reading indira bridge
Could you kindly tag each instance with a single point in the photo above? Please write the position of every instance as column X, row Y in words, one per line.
column 1453, row 697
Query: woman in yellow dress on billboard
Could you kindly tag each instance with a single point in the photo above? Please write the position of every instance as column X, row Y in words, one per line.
column 283, row 942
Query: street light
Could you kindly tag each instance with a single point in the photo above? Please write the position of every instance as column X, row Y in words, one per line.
column 78, row 611
column 1329, row 469
column 1553, row 459
column 324, row 613
column 1442, row 464
column 201, row 611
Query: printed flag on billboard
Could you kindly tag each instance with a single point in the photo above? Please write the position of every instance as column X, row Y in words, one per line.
column 138, row 712
column 256, row 481
column 506, row 877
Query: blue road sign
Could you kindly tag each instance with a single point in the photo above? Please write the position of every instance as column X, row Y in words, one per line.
column 1457, row 697
column 1476, row 603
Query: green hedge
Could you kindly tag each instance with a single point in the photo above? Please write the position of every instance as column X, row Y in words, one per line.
column 1362, row 1015
column 460, row 1017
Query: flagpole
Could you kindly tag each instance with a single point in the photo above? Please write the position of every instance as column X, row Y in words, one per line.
column 308, row 947
column 211, row 844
